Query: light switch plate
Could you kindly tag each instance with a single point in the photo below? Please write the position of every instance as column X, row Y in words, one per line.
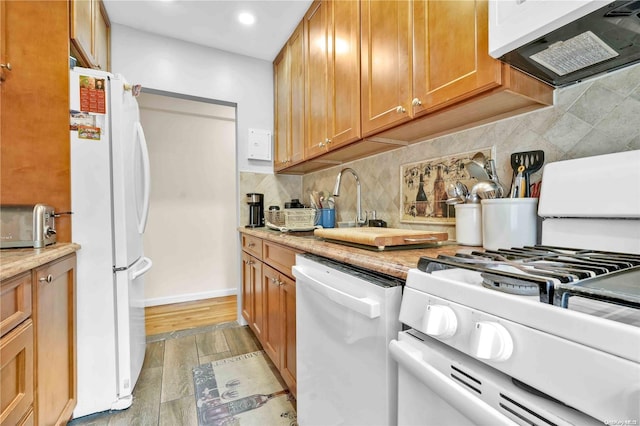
column 259, row 144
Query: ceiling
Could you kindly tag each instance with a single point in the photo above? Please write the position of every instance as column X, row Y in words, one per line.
column 214, row 23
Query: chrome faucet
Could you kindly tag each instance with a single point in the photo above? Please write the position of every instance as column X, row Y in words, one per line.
column 336, row 193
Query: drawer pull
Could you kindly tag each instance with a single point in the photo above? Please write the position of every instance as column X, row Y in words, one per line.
column 46, row 279
column 251, row 245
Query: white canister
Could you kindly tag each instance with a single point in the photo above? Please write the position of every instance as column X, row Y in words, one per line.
column 509, row 222
column 469, row 224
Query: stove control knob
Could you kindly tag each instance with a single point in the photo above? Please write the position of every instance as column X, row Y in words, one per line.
column 491, row 341
column 439, row 321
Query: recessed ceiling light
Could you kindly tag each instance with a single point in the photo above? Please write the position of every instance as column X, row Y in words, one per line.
column 246, row 18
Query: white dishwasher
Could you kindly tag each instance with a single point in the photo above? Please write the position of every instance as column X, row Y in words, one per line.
column 345, row 319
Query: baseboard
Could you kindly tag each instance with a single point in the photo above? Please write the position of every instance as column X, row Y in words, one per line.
column 157, row 301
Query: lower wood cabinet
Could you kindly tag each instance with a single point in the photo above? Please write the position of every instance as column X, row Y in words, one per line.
column 269, row 305
column 252, row 293
column 16, row 353
column 37, row 354
column 288, row 332
column 55, row 341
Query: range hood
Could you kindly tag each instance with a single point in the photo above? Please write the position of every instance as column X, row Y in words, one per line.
column 562, row 42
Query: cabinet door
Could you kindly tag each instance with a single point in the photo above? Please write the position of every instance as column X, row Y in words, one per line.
column 81, row 26
column 316, row 27
column 36, row 41
column 296, row 72
column 451, row 60
column 16, row 393
column 288, row 70
column 343, row 114
column 101, row 37
column 251, row 282
column 282, row 112
column 271, row 341
column 385, row 64
column 288, row 332
column 55, row 341
column 15, row 301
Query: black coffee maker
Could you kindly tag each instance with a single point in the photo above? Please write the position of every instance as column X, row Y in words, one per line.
column 256, row 210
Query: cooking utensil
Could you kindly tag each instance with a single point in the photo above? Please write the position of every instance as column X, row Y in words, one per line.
column 461, row 190
column 472, row 198
column 532, row 162
column 487, row 189
column 477, row 171
column 518, row 189
column 494, row 177
column 451, row 190
column 480, row 159
column 454, row 200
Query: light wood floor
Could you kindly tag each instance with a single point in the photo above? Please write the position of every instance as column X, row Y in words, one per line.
column 182, row 316
column 164, row 393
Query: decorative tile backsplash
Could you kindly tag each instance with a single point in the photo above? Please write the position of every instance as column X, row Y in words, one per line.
column 595, row 117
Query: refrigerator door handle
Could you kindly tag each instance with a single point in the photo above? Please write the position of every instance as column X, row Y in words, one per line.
column 142, row 224
column 143, row 270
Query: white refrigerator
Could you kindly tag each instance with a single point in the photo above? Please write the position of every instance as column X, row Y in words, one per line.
column 110, row 202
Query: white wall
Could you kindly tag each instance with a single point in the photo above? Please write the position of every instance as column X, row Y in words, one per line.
column 175, row 66
column 172, row 65
column 192, row 203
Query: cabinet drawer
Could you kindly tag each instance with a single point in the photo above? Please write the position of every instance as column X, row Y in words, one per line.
column 16, row 394
column 252, row 245
column 15, row 302
column 280, row 257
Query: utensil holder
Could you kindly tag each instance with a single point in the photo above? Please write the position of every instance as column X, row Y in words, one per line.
column 469, row 224
column 509, row 222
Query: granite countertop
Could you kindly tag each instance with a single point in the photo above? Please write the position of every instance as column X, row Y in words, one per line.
column 392, row 262
column 16, row 261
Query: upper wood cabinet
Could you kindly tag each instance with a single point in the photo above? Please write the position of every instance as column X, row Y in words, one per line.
column 289, row 102
column 34, row 41
column 332, row 96
column 424, row 71
column 451, row 58
column 90, row 33
column 386, row 64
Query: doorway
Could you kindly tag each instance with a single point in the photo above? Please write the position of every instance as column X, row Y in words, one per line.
column 191, row 233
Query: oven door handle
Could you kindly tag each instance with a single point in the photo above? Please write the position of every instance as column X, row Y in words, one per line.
column 455, row 395
column 362, row 305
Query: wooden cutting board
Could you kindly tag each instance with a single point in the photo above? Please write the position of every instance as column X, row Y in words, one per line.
column 381, row 237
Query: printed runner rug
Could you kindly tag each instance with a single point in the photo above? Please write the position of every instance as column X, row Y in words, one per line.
column 241, row 391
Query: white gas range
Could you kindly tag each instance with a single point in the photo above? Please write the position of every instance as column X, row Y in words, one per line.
column 534, row 335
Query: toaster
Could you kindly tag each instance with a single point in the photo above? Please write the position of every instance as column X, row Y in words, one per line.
column 27, row 226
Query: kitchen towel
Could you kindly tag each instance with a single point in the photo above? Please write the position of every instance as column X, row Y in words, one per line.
column 243, row 391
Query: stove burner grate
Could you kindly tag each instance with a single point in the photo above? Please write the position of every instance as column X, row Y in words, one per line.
column 553, row 273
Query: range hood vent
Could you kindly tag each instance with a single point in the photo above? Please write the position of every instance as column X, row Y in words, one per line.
column 602, row 41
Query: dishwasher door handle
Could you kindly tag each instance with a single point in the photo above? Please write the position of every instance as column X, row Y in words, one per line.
column 362, row 305
column 455, row 395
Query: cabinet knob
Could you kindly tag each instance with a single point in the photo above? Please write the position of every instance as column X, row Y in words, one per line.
column 327, row 141
column 400, row 109
column 321, row 144
column 251, row 245
column 6, row 66
column 416, row 102
column 46, row 279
